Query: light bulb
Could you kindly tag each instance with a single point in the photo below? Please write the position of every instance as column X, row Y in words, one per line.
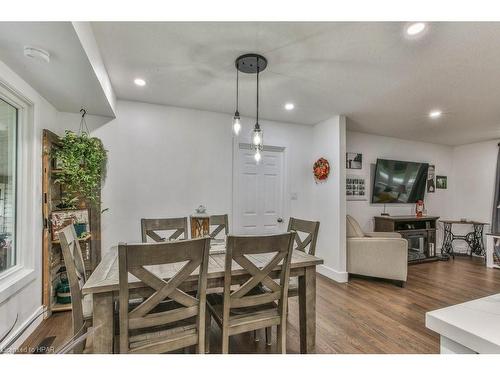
column 236, row 126
column 257, row 156
column 256, row 138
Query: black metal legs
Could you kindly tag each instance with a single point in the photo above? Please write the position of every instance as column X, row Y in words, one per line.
column 447, row 248
column 473, row 239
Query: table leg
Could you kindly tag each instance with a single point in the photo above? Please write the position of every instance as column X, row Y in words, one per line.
column 447, row 247
column 307, row 310
column 103, row 323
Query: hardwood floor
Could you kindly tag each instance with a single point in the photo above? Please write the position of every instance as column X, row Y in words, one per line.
column 362, row 316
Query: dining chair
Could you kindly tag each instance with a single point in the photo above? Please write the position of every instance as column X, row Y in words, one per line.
column 151, row 227
column 169, row 319
column 309, row 232
column 248, row 307
column 220, row 222
column 81, row 307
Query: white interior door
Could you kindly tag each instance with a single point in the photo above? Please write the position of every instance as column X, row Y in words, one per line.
column 259, row 192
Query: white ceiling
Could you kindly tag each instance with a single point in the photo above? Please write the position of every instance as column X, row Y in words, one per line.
column 385, row 83
column 68, row 82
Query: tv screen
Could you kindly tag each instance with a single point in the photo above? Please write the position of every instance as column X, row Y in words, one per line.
column 399, row 181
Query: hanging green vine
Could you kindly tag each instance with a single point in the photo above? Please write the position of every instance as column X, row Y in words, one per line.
column 82, row 160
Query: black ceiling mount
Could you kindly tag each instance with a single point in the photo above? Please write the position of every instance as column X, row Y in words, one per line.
column 249, row 63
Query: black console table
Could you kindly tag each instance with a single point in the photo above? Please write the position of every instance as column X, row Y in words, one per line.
column 420, row 232
column 473, row 239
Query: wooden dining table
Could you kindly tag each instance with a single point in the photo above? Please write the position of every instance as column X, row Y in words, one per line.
column 104, row 286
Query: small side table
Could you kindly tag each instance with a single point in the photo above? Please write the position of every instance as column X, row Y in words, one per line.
column 473, row 239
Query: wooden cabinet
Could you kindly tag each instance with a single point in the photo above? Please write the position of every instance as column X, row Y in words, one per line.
column 90, row 243
column 420, row 232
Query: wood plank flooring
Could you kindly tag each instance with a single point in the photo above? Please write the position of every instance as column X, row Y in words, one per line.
column 362, row 316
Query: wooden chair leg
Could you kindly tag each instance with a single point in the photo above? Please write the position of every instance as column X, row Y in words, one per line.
column 282, row 338
column 208, row 327
column 255, row 337
column 225, row 343
column 269, row 335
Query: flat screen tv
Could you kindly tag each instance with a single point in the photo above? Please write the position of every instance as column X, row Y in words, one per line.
column 399, row 181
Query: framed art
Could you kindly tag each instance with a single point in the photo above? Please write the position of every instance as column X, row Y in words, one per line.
column 354, row 160
column 441, row 182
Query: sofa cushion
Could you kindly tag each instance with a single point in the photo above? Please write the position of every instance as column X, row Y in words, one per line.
column 352, row 228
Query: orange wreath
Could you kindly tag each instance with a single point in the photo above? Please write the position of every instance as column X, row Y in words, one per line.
column 321, row 169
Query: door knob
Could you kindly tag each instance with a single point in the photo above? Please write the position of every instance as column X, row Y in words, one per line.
column 280, row 220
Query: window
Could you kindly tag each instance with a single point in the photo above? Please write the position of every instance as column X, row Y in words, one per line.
column 8, row 169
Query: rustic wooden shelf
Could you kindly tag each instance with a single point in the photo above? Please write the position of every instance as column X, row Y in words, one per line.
column 83, row 239
column 56, row 307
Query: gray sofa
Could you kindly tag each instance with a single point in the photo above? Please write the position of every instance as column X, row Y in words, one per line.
column 376, row 254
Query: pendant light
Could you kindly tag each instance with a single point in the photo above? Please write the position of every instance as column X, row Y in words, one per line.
column 236, row 118
column 251, row 63
column 257, row 135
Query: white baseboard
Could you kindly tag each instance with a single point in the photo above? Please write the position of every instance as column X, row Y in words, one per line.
column 29, row 325
column 338, row 276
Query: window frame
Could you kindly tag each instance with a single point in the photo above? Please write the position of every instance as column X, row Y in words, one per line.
column 23, row 272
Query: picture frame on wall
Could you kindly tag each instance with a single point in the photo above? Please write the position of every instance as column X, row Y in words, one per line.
column 431, row 175
column 441, row 182
column 355, row 188
column 354, row 160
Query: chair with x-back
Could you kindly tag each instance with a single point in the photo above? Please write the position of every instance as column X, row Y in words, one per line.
column 307, row 243
column 248, row 307
column 169, row 319
column 81, row 307
column 152, row 227
column 221, row 223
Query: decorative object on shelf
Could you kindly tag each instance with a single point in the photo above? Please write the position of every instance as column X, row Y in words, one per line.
column 419, row 208
column 355, row 188
column 82, row 160
column 200, row 223
column 251, row 63
column 60, row 219
column 321, row 170
column 201, row 209
column 442, row 182
column 431, row 174
column 354, row 160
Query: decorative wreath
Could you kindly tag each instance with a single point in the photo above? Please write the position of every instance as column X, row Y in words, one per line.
column 321, row 169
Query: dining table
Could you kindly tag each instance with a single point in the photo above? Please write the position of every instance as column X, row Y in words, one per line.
column 103, row 285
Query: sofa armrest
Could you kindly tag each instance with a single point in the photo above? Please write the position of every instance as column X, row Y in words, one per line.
column 378, row 257
column 383, row 234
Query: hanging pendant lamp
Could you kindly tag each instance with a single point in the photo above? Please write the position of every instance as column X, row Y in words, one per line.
column 236, row 118
column 251, row 64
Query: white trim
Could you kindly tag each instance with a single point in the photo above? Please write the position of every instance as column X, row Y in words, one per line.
column 29, row 325
column 16, row 278
column 338, row 276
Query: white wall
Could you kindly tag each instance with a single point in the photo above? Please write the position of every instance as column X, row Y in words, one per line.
column 329, row 197
column 474, row 171
column 373, row 147
column 166, row 161
column 27, row 301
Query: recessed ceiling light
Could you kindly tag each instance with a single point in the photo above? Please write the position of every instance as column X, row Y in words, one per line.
column 289, row 106
column 415, row 28
column 140, row 82
column 435, row 114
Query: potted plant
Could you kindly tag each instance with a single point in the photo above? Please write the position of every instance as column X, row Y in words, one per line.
column 82, row 160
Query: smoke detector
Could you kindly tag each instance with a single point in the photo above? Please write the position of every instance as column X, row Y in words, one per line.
column 37, row 53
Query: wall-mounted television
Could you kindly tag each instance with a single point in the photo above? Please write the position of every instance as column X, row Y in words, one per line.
column 398, row 181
